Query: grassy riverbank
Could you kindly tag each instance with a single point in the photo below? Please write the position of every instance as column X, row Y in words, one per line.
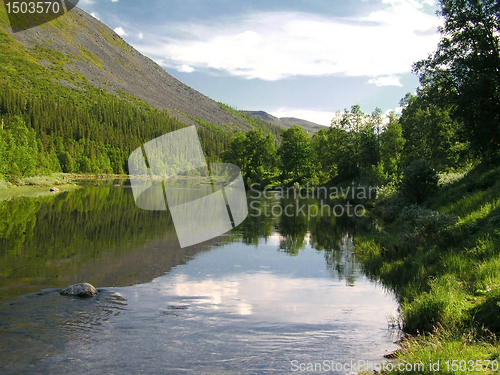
column 56, row 179
column 442, row 258
column 34, row 186
column 41, row 185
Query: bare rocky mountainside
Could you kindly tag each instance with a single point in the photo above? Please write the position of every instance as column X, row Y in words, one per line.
column 106, row 61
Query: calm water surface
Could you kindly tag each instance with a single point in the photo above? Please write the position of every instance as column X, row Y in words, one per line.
column 273, row 291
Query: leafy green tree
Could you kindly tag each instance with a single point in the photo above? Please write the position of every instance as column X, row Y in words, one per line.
column 391, row 147
column 21, row 149
column 430, row 133
column 342, row 151
column 368, row 148
column 66, row 162
column 356, row 136
column 254, row 153
column 464, row 72
column 324, row 156
column 295, row 154
column 84, row 164
column 236, row 152
column 261, row 153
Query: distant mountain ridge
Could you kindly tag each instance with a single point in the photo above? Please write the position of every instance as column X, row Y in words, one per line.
column 285, row 122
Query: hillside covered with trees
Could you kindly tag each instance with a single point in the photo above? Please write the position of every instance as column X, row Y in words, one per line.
column 55, row 116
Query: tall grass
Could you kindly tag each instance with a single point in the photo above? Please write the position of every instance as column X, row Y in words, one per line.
column 442, row 259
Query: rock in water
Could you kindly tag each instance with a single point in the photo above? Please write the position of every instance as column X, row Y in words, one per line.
column 54, row 190
column 79, row 290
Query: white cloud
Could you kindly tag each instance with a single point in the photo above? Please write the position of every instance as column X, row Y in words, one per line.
column 140, row 36
column 273, row 46
column 120, row 31
column 114, row 1
column 95, row 15
column 185, row 69
column 386, row 81
column 86, row 2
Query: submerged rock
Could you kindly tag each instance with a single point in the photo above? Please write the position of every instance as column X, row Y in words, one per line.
column 79, row 290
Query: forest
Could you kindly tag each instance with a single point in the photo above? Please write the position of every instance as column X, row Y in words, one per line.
column 50, row 133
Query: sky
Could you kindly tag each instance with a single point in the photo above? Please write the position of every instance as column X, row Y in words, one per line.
column 290, row 58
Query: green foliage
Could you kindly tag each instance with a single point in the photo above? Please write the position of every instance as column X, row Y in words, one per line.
column 391, row 148
column 324, row 163
column 355, row 145
column 430, row 134
column 255, row 154
column 5, row 184
column 66, row 162
column 43, row 181
column 487, row 313
column 419, row 181
column 463, row 72
column 19, row 149
column 452, row 350
column 417, row 225
column 295, row 154
column 443, row 262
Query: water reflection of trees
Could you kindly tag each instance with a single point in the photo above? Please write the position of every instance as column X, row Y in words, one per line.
column 49, row 237
column 332, row 235
column 58, row 226
column 256, row 226
column 341, row 262
column 293, row 230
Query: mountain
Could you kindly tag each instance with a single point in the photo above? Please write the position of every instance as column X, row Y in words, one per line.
column 106, row 61
column 285, row 122
column 81, row 99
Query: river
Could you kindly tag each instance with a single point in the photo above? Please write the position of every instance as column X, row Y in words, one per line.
column 274, row 296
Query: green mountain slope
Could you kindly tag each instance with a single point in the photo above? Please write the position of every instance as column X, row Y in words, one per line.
column 77, row 98
column 90, row 51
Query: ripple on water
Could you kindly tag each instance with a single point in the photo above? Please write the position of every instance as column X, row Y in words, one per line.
column 40, row 325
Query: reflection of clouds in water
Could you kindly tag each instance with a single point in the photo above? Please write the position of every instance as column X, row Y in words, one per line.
column 213, row 294
column 277, row 298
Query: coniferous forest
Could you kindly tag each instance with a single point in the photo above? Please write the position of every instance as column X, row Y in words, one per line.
column 58, row 134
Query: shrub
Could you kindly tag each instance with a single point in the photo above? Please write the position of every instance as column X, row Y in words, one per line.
column 4, row 184
column 420, row 180
column 419, row 224
column 392, row 208
column 42, row 181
